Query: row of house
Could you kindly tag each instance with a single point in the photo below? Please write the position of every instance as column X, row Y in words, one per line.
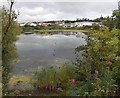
column 35, row 24
column 80, row 24
column 75, row 24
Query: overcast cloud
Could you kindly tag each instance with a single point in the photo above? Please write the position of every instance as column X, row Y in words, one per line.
column 44, row 11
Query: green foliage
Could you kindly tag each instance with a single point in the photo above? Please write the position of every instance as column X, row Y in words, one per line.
column 102, row 47
column 95, row 26
column 110, row 21
column 10, row 30
column 53, row 78
column 27, row 28
column 113, row 21
column 116, row 16
column 86, row 27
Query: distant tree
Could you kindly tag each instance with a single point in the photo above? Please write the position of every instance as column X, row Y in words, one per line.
column 118, row 22
column 114, row 20
column 82, row 19
column 109, row 22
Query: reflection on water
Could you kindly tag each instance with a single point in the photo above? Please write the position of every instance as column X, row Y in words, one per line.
column 45, row 50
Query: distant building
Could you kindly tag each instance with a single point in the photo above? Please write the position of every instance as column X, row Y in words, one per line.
column 33, row 24
column 45, row 24
column 68, row 25
column 80, row 24
column 22, row 24
column 59, row 22
column 39, row 23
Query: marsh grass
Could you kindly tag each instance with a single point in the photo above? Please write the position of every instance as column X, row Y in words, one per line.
column 52, row 79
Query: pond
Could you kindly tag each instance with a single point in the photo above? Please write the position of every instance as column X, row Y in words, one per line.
column 46, row 50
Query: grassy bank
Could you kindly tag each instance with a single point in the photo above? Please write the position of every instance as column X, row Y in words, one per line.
column 47, row 82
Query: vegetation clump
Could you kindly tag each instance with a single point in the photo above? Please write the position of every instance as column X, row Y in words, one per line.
column 52, row 79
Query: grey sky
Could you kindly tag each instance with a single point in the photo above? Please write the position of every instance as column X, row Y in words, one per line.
column 43, row 11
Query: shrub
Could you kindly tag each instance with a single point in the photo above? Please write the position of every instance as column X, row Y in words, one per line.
column 53, row 78
column 99, row 63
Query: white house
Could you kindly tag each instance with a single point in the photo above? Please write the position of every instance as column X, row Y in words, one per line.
column 22, row 24
column 79, row 24
column 68, row 25
column 59, row 22
column 33, row 24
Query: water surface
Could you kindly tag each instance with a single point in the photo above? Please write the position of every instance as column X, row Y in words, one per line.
column 37, row 50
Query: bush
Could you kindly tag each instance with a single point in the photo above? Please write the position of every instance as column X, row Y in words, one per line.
column 95, row 26
column 99, row 66
column 53, row 78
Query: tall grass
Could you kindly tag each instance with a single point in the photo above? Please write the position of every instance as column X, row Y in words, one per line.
column 53, row 78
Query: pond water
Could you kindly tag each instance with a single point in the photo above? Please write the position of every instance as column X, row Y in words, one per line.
column 37, row 50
